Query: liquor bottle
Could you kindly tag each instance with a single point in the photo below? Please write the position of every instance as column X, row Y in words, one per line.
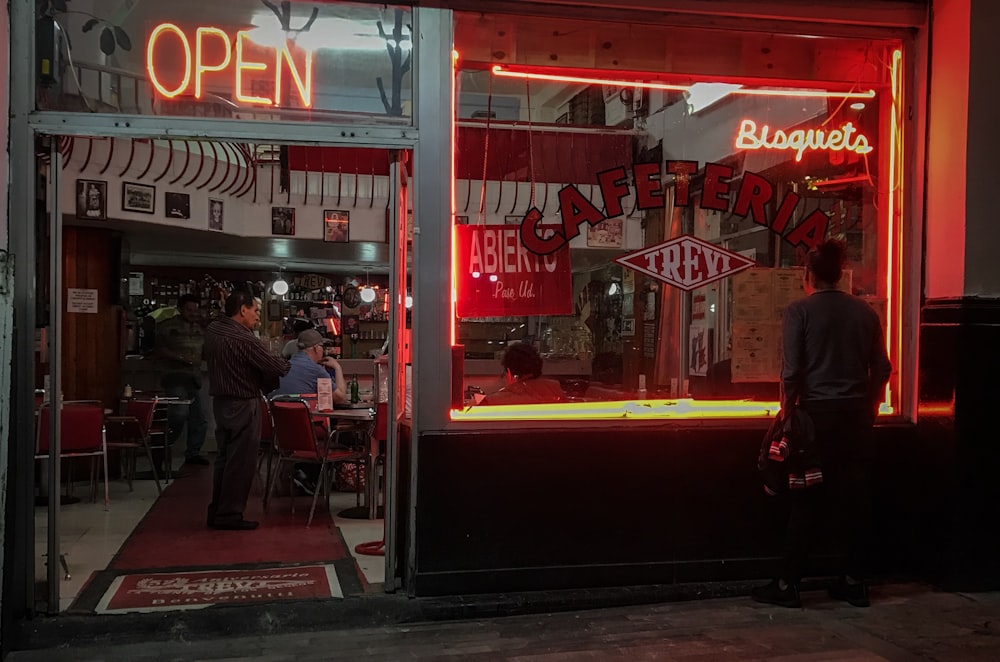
column 355, row 390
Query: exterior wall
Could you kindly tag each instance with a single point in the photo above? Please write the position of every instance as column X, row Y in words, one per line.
column 960, row 319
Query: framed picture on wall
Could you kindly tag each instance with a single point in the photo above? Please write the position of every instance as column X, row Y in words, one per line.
column 138, row 197
column 215, row 214
column 177, row 205
column 336, row 226
column 91, row 199
column 283, row 221
column 606, row 234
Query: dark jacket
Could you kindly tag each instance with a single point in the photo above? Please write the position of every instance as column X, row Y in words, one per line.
column 788, row 458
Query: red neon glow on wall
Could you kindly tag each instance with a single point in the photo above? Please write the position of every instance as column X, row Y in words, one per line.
column 213, row 53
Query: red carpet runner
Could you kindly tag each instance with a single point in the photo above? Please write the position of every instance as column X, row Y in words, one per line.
column 173, row 533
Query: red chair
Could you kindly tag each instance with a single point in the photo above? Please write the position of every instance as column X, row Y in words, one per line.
column 82, row 435
column 266, row 451
column 130, row 433
column 295, row 442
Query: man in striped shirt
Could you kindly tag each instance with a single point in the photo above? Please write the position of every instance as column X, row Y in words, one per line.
column 240, row 369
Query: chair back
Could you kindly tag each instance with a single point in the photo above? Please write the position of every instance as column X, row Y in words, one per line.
column 266, row 425
column 293, row 429
column 143, row 412
column 82, row 428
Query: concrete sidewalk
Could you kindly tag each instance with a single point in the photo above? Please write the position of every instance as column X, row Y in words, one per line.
column 905, row 622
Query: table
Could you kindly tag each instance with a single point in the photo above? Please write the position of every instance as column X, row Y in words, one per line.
column 361, row 420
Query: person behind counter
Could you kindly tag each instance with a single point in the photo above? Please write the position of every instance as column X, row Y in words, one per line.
column 239, row 369
column 179, row 343
column 522, row 366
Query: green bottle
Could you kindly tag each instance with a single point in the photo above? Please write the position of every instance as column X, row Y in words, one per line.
column 355, row 394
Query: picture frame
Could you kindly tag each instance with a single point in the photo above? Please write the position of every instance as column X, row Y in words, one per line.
column 606, row 234
column 177, row 205
column 216, row 214
column 336, row 226
column 139, row 198
column 283, row 221
column 92, row 199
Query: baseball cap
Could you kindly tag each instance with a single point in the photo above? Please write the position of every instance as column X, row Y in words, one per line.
column 309, row 338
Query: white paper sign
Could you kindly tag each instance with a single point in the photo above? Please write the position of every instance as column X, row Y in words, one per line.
column 81, row 300
column 324, row 394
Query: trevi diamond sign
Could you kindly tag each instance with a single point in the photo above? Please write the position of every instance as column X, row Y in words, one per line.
column 686, row 262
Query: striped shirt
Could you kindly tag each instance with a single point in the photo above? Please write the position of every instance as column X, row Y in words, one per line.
column 238, row 364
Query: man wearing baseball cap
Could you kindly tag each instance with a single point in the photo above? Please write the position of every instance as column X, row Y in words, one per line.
column 308, row 365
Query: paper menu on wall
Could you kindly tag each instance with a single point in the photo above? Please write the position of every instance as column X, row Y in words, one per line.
column 752, row 296
column 324, row 394
column 786, row 287
column 756, row 353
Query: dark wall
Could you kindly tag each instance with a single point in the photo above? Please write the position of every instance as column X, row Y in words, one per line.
column 544, row 509
column 960, row 391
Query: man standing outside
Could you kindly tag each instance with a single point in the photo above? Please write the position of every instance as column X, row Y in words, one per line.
column 834, row 368
column 239, row 371
column 179, row 342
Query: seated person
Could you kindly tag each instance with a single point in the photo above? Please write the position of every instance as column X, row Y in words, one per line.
column 310, row 364
column 522, row 366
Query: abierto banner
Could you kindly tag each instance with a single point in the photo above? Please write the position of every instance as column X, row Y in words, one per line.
column 496, row 276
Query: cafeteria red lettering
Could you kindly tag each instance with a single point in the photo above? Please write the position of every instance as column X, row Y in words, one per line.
column 755, row 192
column 752, row 199
column 647, row 185
column 714, row 191
column 613, row 189
column 682, row 171
column 575, row 210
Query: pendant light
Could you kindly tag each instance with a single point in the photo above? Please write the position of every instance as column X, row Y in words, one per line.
column 367, row 293
column 280, row 286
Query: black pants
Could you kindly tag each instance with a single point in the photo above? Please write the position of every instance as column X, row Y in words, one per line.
column 237, row 434
column 840, row 508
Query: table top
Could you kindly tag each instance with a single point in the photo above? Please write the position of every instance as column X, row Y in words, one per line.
column 346, row 414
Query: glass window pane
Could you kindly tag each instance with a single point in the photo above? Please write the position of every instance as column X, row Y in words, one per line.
column 242, row 59
column 636, row 203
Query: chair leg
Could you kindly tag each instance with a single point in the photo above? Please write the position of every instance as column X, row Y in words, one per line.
column 272, row 481
column 152, row 466
column 107, row 493
column 357, row 483
column 322, row 477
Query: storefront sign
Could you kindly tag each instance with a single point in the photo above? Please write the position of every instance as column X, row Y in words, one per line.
column 210, row 50
column 686, row 262
column 829, row 140
column 754, row 196
column 497, row 276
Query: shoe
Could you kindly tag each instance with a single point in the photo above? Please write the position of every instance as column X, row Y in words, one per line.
column 855, row 595
column 237, row 525
column 772, row 594
column 303, row 483
column 196, row 459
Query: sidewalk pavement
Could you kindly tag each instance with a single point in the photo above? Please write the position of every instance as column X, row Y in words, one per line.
column 905, row 622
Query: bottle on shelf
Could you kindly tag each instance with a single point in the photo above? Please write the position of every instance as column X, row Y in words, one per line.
column 355, row 390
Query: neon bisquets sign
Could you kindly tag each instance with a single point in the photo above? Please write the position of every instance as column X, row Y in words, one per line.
column 754, row 194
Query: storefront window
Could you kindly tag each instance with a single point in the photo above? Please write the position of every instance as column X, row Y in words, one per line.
column 636, row 202
column 245, row 59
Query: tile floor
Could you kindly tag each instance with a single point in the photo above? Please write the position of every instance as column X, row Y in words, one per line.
column 92, row 536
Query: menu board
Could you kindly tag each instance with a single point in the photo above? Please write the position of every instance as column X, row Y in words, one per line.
column 752, row 295
column 756, row 352
column 786, row 287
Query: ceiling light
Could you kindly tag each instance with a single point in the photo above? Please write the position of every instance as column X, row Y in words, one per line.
column 367, row 293
column 858, row 105
column 280, row 287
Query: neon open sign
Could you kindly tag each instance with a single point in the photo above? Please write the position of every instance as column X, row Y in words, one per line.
column 228, row 54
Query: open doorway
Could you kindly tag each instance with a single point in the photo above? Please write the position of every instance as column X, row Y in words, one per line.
column 146, row 240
